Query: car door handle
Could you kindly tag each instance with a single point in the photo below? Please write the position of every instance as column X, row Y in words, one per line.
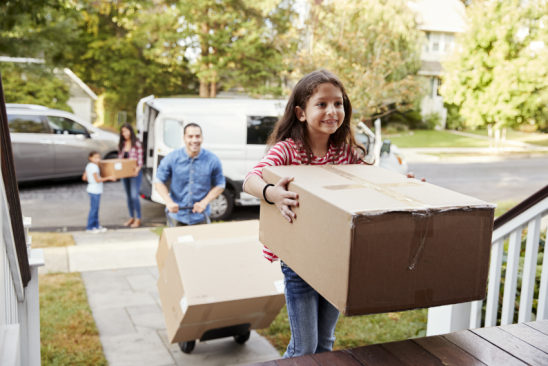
column 60, row 142
column 46, row 142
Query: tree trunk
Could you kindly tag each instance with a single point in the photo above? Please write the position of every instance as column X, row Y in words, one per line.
column 204, row 84
column 213, row 90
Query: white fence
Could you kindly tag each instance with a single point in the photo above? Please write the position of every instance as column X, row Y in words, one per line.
column 452, row 318
column 19, row 306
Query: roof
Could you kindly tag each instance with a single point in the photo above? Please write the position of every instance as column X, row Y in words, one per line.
column 431, row 68
column 440, row 15
column 80, row 83
column 214, row 105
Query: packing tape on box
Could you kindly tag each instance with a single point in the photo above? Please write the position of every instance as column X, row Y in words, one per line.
column 381, row 188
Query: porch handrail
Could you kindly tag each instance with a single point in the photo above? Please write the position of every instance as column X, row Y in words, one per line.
column 527, row 214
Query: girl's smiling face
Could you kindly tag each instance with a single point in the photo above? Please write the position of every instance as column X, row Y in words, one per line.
column 324, row 112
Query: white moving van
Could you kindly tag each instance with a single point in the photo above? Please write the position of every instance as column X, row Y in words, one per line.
column 235, row 130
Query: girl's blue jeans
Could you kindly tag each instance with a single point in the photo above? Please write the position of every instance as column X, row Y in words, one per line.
column 93, row 218
column 132, row 186
column 312, row 318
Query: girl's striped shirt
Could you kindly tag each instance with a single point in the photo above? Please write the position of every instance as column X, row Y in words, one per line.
column 290, row 153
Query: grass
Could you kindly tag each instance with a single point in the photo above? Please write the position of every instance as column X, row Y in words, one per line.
column 432, row 138
column 504, row 206
column 68, row 333
column 48, row 240
column 536, row 138
column 357, row 331
column 158, row 230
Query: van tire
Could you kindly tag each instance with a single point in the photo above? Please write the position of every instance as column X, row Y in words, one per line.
column 222, row 206
column 112, row 155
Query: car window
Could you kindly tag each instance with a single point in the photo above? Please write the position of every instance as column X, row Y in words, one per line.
column 173, row 135
column 259, row 128
column 65, row 126
column 26, row 124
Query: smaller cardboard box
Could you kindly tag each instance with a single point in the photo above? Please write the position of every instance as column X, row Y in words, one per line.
column 373, row 241
column 218, row 286
column 120, row 168
column 185, row 234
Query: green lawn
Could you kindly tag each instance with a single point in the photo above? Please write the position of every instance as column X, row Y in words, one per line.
column 537, row 138
column 68, row 335
column 358, row 330
column 427, row 138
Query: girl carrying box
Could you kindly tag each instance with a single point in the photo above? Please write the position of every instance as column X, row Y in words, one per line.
column 314, row 130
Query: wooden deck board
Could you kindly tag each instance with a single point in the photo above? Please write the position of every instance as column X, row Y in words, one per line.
column 513, row 345
column 410, row 353
column 374, row 355
column 336, row 358
column 541, row 326
column 528, row 334
column 481, row 349
column 447, row 352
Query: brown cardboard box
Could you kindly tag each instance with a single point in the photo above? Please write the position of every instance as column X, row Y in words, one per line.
column 373, row 241
column 212, row 284
column 121, row 168
column 185, row 234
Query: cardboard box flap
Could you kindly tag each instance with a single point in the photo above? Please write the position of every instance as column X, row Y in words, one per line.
column 359, row 189
column 214, row 270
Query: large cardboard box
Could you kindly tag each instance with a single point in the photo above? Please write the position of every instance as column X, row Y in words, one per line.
column 372, row 241
column 185, row 234
column 218, row 286
column 120, row 168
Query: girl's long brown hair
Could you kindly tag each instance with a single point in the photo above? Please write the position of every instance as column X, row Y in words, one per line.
column 289, row 126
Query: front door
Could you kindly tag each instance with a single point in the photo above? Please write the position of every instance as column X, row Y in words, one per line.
column 72, row 145
column 32, row 146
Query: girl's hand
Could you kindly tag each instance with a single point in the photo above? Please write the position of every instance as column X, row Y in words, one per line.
column 412, row 175
column 283, row 198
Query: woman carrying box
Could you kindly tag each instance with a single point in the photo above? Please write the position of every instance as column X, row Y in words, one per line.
column 130, row 148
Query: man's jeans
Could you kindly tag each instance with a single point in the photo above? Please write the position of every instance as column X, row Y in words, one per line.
column 93, row 218
column 132, row 185
column 311, row 317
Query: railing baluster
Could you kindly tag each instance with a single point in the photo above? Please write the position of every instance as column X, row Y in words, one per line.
column 475, row 314
column 494, row 283
column 511, row 280
column 542, row 309
column 529, row 270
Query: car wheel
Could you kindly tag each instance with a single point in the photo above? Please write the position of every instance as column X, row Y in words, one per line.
column 222, row 206
column 111, row 155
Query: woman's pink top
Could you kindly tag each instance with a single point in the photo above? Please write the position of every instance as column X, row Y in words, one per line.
column 289, row 153
column 136, row 153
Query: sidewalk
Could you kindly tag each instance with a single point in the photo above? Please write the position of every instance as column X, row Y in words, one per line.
column 458, row 155
column 119, row 272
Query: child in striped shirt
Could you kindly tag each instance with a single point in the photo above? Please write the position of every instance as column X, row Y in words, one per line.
column 314, row 130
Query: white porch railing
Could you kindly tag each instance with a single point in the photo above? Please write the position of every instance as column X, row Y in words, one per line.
column 19, row 305
column 453, row 318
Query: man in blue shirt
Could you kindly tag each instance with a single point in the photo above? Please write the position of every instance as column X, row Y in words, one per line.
column 196, row 179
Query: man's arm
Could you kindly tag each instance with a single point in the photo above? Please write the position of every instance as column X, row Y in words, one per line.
column 164, row 192
column 214, row 193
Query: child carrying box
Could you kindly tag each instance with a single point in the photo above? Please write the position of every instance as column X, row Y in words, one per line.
column 94, row 189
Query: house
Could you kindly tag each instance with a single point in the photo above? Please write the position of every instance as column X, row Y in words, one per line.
column 441, row 20
column 82, row 98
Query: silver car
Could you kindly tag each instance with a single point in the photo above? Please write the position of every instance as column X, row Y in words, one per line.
column 49, row 143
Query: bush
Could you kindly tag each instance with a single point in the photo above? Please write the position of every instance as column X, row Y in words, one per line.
column 454, row 120
column 396, row 127
column 431, row 120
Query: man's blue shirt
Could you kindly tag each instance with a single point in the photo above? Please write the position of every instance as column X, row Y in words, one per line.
column 191, row 180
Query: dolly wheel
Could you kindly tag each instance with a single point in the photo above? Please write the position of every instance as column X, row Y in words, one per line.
column 187, row 347
column 241, row 339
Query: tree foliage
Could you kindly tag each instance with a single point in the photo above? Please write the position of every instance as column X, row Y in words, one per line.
column 34, row 84
column 239, row 43
column 373, row 46
column 500, row 73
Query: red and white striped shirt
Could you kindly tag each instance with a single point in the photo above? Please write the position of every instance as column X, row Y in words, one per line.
column 290, row 153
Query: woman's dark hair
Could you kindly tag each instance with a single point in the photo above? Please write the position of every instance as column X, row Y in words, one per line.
column 289, row 126
column 132, row 137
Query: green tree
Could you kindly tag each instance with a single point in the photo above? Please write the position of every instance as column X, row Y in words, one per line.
column 373, row 46
column 499, row 74
column 240, row 43
column 34, row 84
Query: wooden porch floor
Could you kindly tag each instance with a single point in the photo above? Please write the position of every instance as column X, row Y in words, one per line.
column 516, row 344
